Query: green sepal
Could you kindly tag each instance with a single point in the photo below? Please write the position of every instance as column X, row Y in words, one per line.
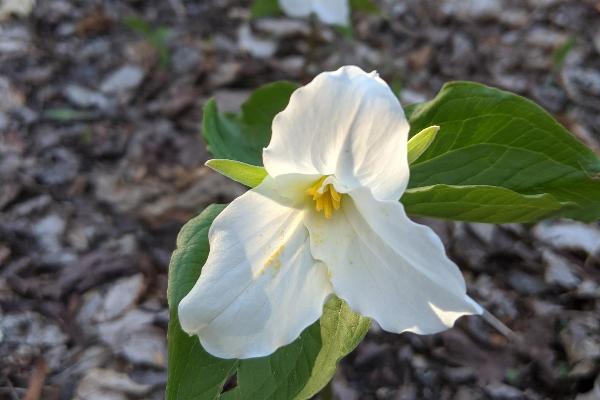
column 246, row 174
column 419, row 143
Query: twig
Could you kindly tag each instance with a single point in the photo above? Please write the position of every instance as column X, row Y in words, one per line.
column 36, row 381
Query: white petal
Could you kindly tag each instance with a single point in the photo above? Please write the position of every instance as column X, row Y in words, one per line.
column 347, row 123
column 296, row 8
column 334, row 12
column 389, row 268
column 293, row 187
column 260, row 286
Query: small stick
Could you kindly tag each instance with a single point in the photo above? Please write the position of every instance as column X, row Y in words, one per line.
column 36, row 381
column 498, row 325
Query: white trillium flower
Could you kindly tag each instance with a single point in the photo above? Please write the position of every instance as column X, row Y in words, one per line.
column 326, row 220
column 21, row 8
column 334, row 12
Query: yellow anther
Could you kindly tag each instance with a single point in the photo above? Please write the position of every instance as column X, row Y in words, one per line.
column 314, row 189
column 334, row 195
column 327, row 208
column 326, row 198
column 336, row 205
column 320, row 203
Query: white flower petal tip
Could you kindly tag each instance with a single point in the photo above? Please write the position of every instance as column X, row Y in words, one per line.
column 478, row 310
column 449, row 317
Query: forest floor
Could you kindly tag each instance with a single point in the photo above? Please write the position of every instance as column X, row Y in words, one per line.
column 101, row 162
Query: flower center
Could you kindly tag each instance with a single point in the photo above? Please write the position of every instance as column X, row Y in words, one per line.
column 326, row 198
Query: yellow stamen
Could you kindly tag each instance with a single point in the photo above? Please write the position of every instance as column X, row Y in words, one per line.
column 334, row 195
column 320, row 202
column 327, row 207
column 327, row 199
column 336, row 205
column 313, row 190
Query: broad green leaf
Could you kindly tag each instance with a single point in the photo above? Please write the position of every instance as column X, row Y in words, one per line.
column 224, row 136
column 489, row 204
column 193, row 374
column 265, row 8
column 242, row 136
column 495, row 138
column 421, row 142
column 243, row 173
column 261, row 107
column 303, row 368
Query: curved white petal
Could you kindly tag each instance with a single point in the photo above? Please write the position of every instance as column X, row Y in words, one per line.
column 389, row 268
column 260, row 286
column 296, row 8
column 334, row 12
column 347, row 123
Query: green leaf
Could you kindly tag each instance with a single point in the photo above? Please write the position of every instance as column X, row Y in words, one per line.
column 345, row 31
column 496, row 138
column 139, row 25
column 260, row 109
column 560, row 53
column 224, row 136
column 68, row 114
column 341, row 331
column 157, row 36
column 489, row 204
column 242, row 136
column 368, row 6
column 265, row 8
column 303, row 368
column 421, row 142
column 243, row 173
column 193, row 374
